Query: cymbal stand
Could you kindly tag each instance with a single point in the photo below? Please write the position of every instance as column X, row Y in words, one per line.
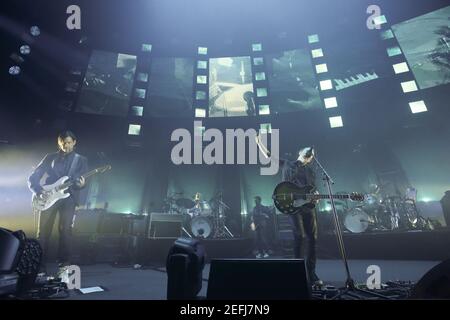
column 220, row 229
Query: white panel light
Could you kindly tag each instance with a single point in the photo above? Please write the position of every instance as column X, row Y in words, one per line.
column 418, row 106
column 261, row 92
column 265, row 128
column 264, row 109
column 140, row 93
column 317, row 53
column 380, row 20
column 326, row 85
column 330, row 103
column 336, row 122
column 259, row 76
column 134, row 129
column 202, row 79
column 394, row 51
column 258, row 61
column 200, row 113
column 400, row 67
column 138, row 111
column 202, row 50
column 321, row 68
column 314, row 38
column 200, row 95
column 409, row 86
column 256, row 47
column 202, row 64
column 142, row 76
column 388, row 34
column 146, row 47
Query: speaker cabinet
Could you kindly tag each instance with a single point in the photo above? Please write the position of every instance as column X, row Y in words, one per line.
column 164, row 226
column 250, row 279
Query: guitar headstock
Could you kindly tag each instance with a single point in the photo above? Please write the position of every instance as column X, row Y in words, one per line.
column 358, row 197
column 104, row 169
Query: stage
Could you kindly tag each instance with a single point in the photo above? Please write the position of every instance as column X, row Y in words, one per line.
column 149, row 283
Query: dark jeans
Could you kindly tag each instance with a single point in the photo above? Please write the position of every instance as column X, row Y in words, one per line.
column 305, row 233
column 66, row 210
column 261, row 241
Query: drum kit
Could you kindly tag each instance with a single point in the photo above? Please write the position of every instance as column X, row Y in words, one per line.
column 202, row 219
column 385, row 213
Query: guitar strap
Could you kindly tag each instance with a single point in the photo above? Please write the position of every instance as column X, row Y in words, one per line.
column 73, row 164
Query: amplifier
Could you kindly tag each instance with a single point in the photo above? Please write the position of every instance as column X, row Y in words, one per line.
column 165, row 225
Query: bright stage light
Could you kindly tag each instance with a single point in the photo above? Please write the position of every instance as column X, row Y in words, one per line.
column 14, row 70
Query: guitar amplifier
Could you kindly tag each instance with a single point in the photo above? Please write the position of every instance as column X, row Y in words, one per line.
column 87, row 222
column 165, row 226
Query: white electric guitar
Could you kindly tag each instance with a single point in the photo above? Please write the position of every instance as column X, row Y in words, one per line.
column 53, row 192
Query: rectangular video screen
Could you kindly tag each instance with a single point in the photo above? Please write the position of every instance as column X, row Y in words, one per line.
column 170, row 88
column 293, row 85
column 231, row 87
column 425, row 41
column 107, row 84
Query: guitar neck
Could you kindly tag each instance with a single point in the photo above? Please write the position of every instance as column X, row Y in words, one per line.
column 85, row 176
column 327, row 196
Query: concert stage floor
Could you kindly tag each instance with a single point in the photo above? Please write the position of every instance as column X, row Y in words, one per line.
column 150, row 283
column 405, row 245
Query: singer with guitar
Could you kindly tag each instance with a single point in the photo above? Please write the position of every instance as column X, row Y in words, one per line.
column 301, row 173
column 65, row 162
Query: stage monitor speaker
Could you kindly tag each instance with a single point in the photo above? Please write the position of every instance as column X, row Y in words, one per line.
column 435, row 284
column 250, row 279
column 164, row 225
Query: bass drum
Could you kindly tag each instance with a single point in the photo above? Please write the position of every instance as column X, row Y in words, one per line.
column 358, row 221
column 201, row 227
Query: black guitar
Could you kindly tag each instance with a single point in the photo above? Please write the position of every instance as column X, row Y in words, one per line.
column 289, row 198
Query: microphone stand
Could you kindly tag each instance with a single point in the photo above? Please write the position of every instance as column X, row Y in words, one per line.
column 350, row 287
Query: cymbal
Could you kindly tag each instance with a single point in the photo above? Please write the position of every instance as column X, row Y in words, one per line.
column 185, row 203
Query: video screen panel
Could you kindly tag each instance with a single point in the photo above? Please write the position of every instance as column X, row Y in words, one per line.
column 107, row 84
column 425, row 41
column 293, row 85
column 231, row 87
column 170, row 88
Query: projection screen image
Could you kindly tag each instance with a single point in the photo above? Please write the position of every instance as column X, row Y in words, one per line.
column 107, row 84
column 230, row 87
column 425, row 41
column 292, row 82
column 170, row 87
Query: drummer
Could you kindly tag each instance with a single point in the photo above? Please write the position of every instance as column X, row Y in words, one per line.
column 197, row 200
column 200, row 207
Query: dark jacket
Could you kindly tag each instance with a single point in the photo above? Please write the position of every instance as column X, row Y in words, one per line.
column 300, row 175
column 57, row 165
column 260, row 215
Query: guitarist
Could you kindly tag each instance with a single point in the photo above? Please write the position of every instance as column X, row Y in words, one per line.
column 301, row 173
column 65, row 162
